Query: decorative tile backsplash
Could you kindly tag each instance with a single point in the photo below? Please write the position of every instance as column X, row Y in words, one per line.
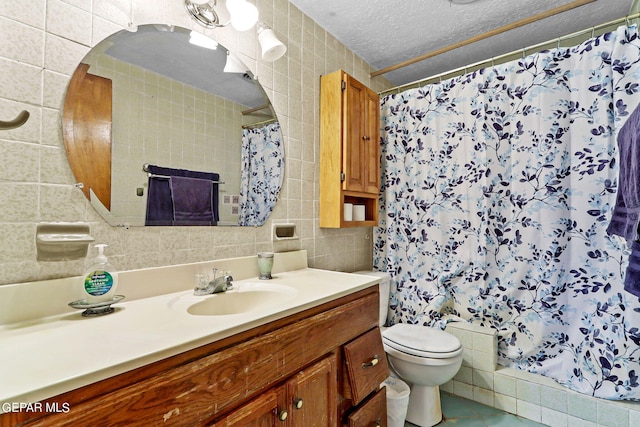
column 41, row 47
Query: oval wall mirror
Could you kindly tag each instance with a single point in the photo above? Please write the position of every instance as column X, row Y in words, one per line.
column 163, row 126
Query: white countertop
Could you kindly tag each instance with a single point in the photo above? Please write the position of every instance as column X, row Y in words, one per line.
column 46, row 357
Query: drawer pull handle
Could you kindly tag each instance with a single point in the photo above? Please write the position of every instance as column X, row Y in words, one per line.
column 282, row 415
column 297, row 403
column 373, row 362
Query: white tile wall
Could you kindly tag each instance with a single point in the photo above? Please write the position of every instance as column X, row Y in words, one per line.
column 42, row 43
column 530, row 396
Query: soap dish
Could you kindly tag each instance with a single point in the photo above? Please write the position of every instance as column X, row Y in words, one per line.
column 94, row 309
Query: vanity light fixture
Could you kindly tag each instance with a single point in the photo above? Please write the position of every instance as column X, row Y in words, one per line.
column 272, row 48
column 242, row 14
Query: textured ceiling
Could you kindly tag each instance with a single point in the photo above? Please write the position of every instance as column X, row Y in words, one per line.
column 385, row 33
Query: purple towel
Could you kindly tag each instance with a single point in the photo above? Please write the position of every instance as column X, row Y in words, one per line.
column 159, row 204
column 632, row 277
column 626, row 213
column 191, row 200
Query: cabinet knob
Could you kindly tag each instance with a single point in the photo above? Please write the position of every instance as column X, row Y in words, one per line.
column 378, row 423
column 282, row 415
column 366, row 138
column 373, row 362
column 297, row 403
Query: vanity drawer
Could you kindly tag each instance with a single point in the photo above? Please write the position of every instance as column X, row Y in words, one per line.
column 366, row 365
column 372, row 413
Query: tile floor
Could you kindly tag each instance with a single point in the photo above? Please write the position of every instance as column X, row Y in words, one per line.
column 461, row 412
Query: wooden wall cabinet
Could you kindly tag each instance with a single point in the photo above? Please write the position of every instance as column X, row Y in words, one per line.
column 296, row 371
column 349, row 149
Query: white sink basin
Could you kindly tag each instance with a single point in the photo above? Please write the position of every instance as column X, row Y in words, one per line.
column 243, row 298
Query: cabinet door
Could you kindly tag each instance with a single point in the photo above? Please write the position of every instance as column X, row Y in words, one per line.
column 353, row 129
column 312, row 395
column 372, row 142
column 260, row 412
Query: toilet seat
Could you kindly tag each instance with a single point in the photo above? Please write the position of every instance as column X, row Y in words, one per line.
column 421, row 341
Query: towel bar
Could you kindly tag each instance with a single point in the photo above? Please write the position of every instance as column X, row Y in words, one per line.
column 153, row 175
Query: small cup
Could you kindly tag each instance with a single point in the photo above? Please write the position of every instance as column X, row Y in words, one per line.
column 265, row 264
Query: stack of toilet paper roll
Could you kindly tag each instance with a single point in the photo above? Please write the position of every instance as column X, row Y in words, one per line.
column 354, row 212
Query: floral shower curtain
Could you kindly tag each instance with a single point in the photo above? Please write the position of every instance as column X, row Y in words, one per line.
column 262, row 173
column 497, row 191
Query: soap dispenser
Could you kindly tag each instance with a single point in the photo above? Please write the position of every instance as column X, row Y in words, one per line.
column 100, row 279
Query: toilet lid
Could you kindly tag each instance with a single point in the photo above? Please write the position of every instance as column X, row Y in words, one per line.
column 421, row 340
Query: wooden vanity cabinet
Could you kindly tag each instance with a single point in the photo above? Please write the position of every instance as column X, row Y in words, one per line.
column 349, row 149
column 295, row 364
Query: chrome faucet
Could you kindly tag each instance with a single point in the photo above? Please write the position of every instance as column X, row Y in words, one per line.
column 217, row 285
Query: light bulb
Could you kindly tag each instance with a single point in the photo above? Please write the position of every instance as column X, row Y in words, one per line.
column 244, row 15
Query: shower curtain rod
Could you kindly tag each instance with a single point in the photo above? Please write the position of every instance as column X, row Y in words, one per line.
column 531, row 19
column 254, row 125
column 493, row 60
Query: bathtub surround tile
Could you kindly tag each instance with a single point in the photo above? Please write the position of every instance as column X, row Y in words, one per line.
column 484, row 342
column 506, row 403
column 504, row 385
column 465, row 337
column 554, row 399
column 465, row 375
column 579, row 422
column 483, row 379
column 463, row 390
column 528, row 410
column 484, row 361
column 554, row 418
column 582, row 407
column 610, row 415
column 528, row 392
column 484, row 396
column 531, row 396
column 534, row 398
column 447, row 387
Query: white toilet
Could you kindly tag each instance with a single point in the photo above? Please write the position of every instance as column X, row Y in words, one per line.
column 422, row 356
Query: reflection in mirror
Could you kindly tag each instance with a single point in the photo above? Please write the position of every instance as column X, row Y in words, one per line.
column 169, row 99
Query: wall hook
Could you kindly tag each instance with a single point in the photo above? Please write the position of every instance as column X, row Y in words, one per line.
column 15, row 123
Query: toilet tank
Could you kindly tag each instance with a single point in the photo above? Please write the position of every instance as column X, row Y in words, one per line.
column 385, row 285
